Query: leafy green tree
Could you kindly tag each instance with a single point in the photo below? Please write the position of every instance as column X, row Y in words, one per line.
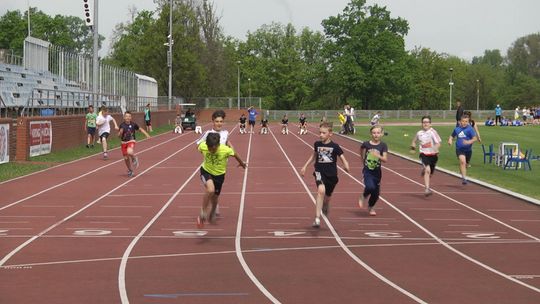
column 367, row 57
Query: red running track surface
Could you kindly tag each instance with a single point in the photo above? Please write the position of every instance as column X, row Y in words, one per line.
column 85, row 233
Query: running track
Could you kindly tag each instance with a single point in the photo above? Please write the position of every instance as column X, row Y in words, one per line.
column 85, row 233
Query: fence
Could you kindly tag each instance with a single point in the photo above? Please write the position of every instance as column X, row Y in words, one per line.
column 365, row 115
column 226, row 102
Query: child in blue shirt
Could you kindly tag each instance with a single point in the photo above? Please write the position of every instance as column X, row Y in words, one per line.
column 465, row 137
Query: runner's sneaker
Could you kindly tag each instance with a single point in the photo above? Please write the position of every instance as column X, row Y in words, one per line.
column 135, row 162
column 372, row 211
column 428, row 192
column 325, row 208
column 105, row 155
column 200, row 222
column 316, row 223
column 362, row 201
column 464, row 181
column 130, row 173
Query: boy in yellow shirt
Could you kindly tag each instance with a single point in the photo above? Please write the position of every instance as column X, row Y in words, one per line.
column 213, row 171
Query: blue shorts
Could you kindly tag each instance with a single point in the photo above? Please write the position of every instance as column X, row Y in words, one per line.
column 91, row 130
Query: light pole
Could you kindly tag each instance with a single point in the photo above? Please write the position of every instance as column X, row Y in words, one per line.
column 477, row 95
column 249, row 82
column 169, row 53
column 451, row 84
column 238, row 87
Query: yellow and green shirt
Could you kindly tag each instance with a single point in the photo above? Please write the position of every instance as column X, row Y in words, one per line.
column 216, row 163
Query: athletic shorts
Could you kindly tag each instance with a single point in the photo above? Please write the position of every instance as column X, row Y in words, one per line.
column 243, row 125
column 126, row 145
column 329, row 182
column 217, row 179
column 467, row 154
column 147, row 122
column 91, row 130
column 104, row 135
column 252, row 122
column 429, row 160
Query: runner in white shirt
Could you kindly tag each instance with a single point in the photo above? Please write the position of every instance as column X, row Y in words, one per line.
column 104, row 128
column 429, row 143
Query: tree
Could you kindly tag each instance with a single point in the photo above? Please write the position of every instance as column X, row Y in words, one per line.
column 524, row 56
column 366, row 55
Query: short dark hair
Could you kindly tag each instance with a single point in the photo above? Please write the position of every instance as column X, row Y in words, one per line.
column 326, row 124
column 212, row 140
column 127, row 112
column 426, row 116
column 465, row 116
column 218, row 113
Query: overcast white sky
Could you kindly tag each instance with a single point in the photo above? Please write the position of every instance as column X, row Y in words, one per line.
column 464, row 28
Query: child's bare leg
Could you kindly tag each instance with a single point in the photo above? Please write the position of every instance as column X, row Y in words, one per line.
column 463, row 166
column 320, row 200
column 214, row 204
column 209, row 187
column 427, row 174
column 104, row 144
column 127, row 160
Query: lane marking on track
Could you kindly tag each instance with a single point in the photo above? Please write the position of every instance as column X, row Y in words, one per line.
column 27, row 242
column 237, row 239
column 336, row 235
column 254, row 251
column 441, row 241
column 83, row 175
column 450, row 198
column 74, row 161
column 123, row 263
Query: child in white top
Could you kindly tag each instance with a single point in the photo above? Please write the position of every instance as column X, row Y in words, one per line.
column 429, row 144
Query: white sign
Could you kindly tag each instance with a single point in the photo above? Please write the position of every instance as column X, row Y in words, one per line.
column 4, row 143
column 40, row 137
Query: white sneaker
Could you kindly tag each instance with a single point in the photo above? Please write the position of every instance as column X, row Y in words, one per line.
column 316, row 223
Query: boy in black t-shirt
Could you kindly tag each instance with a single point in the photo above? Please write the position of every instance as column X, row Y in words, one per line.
column 285, row 125
column 303, row 124
column 372, row 152
column 264, row 126
column 127, row 136
column 242, row 122
column 325, row 155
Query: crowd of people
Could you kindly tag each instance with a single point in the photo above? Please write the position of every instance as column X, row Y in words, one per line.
column 522, row 117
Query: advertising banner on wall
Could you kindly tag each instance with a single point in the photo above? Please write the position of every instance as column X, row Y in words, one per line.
column 40, row 138
column 4, row 143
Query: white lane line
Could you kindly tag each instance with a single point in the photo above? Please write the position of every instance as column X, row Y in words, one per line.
column 124, row 206
column 434, row 209
column 123, row 264
column 77, row 160
column 254, row 251
column 338, row 238
column 442, row 242
column 48, row 206
column 450, row 198
column 113, row 216
column 140, row 194
column 20, row 247
column 97, row 228
column 525, row 220
column 238, row 236
column 81, row 176
column 29, row 216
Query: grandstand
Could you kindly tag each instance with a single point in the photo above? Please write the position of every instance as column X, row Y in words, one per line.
column 52, row 81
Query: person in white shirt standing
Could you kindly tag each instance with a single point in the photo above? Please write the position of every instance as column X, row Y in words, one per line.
column 104, row 128
column 429, row 144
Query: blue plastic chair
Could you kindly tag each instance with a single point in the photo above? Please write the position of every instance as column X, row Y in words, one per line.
column 490, row 153
column 526, row 160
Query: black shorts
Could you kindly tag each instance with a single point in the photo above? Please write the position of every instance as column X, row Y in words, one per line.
column 148, row 122
column 252, row 123
column 104, row 135
column 467, row 154
column 243, row 125
column 329, row 182
column 90, row 130
column 217, row 179
column 429, row 160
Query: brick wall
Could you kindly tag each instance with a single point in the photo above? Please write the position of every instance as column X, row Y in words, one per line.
column 70, row 131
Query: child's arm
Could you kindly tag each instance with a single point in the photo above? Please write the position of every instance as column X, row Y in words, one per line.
column 115, row 124
column 383, row 157
column 477, row 133
column 241, row 163
column 413, row 145
column 144, row 132
column 309, row 161
column 450, row 139
column 120, row 133
column 345, row 163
